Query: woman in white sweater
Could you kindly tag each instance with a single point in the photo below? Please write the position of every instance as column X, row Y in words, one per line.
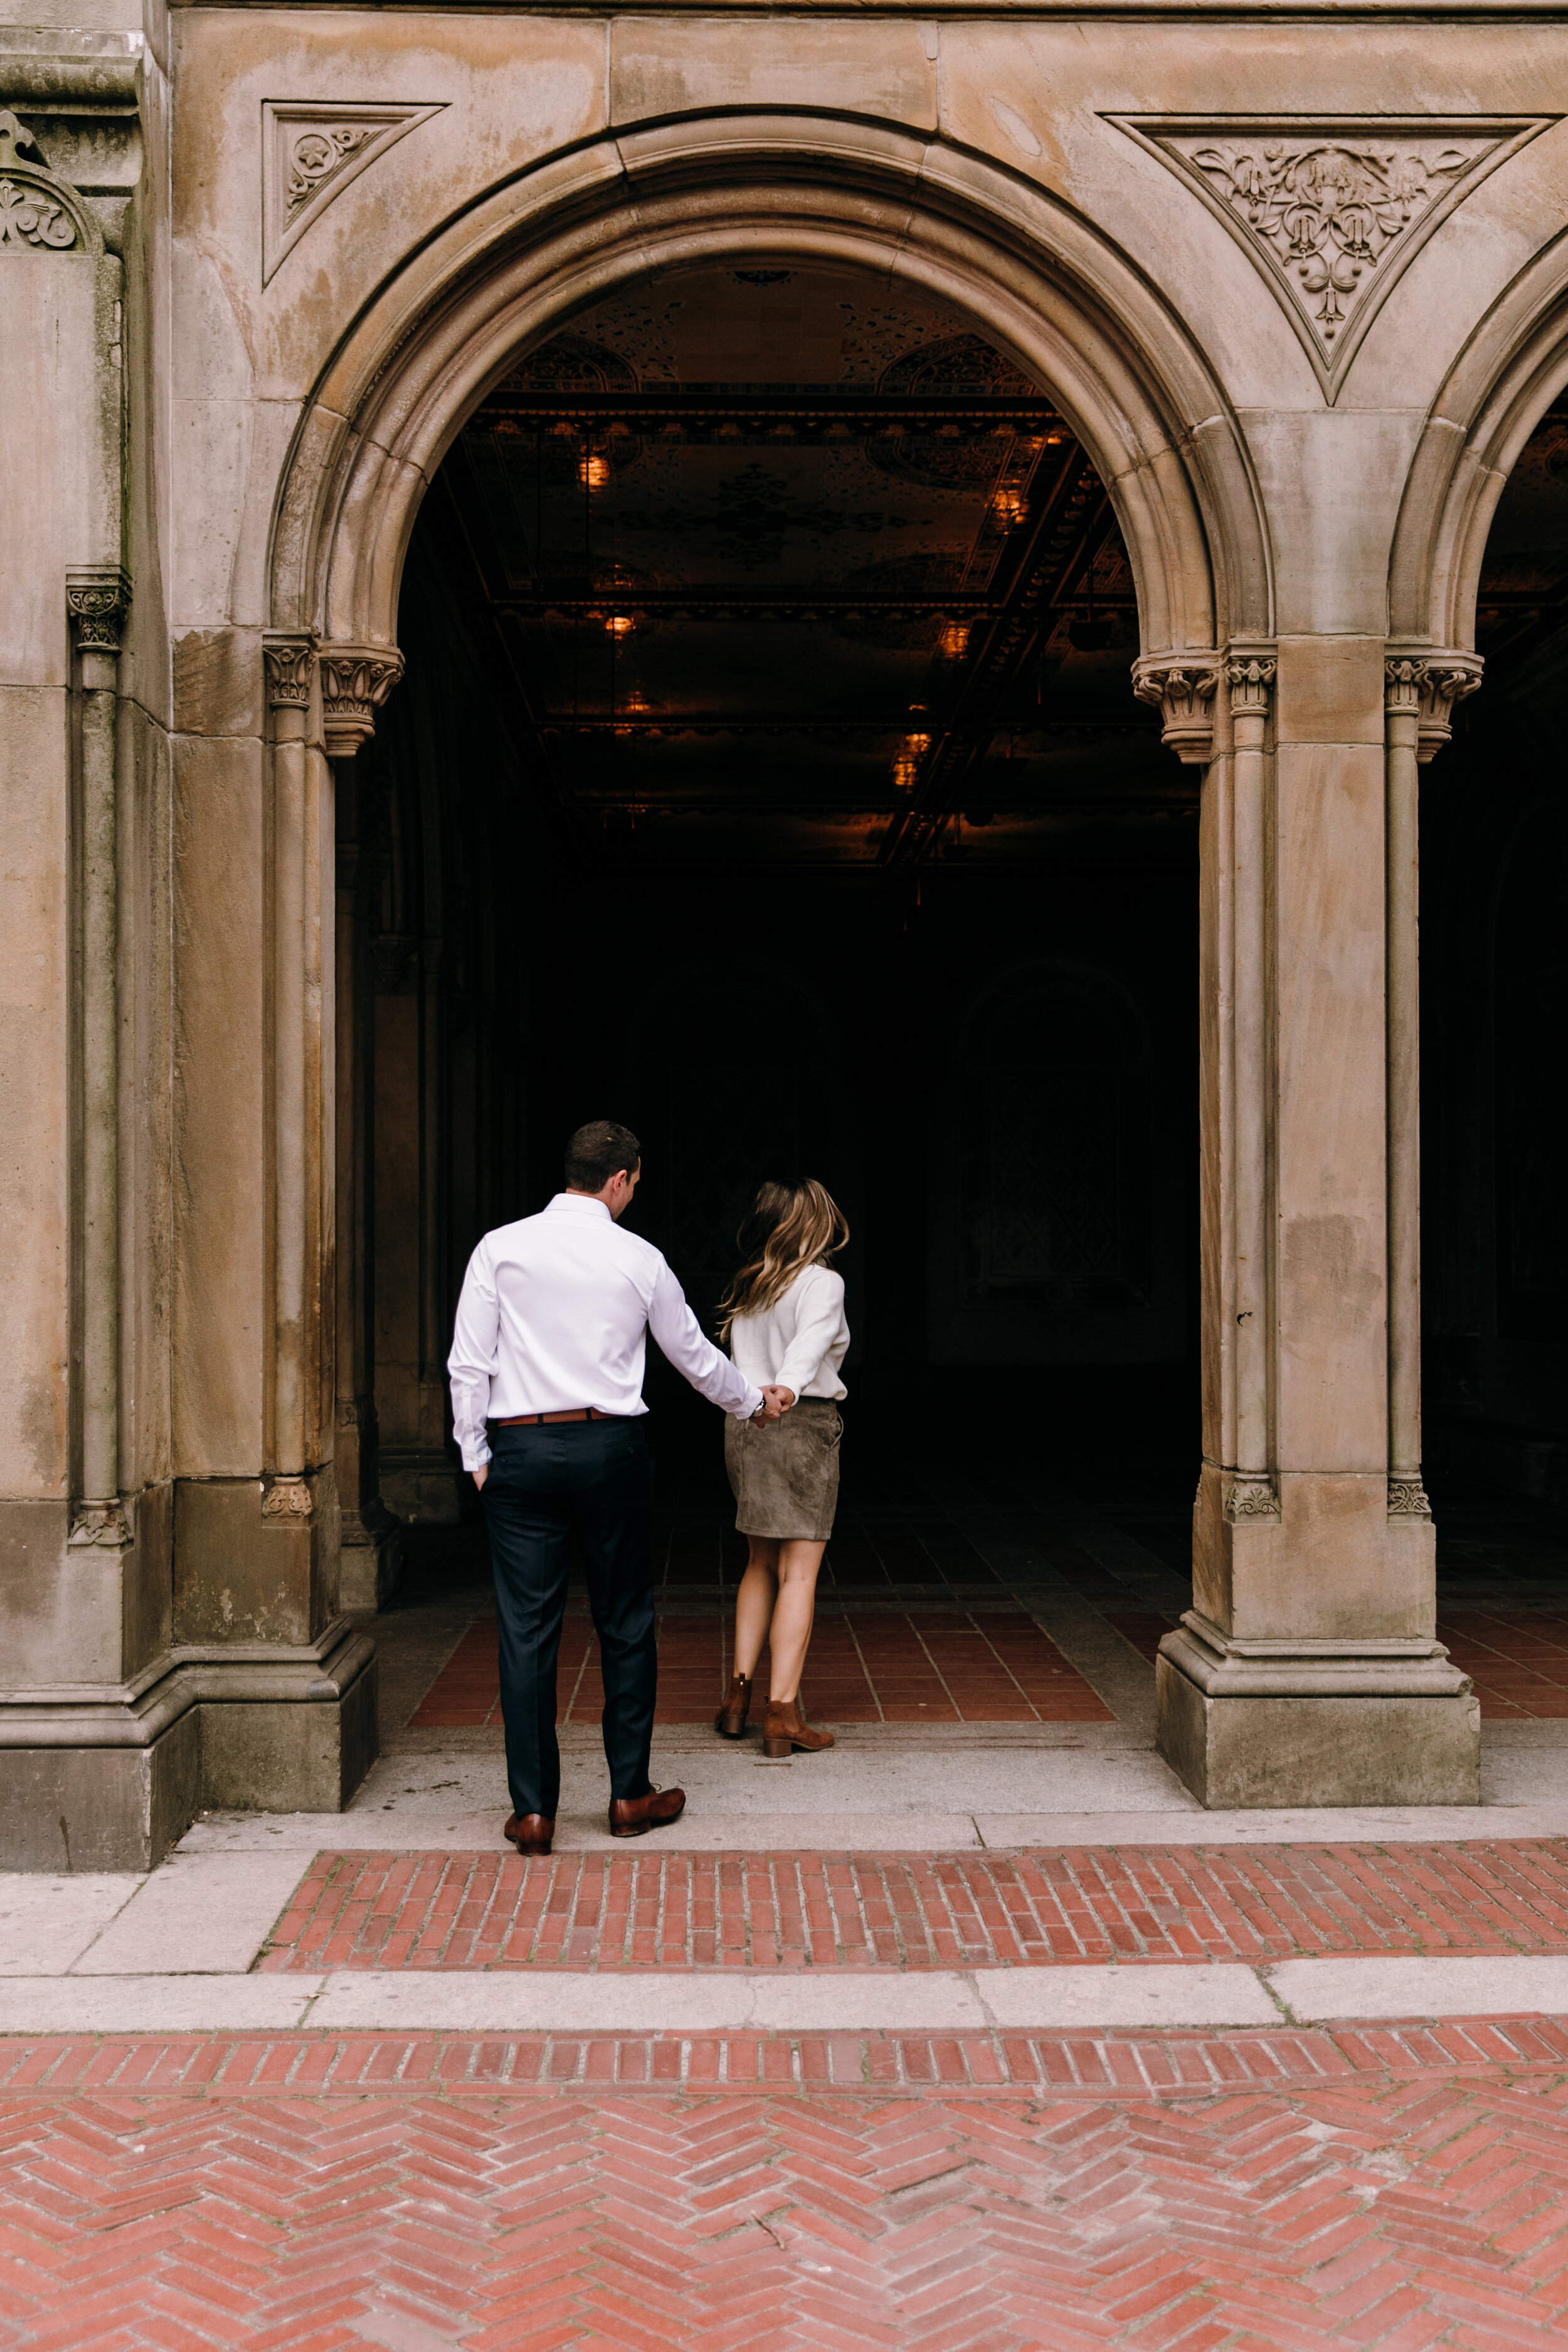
column 784, row 1320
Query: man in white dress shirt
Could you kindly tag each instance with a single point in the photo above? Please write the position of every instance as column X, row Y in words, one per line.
column 547, row 1406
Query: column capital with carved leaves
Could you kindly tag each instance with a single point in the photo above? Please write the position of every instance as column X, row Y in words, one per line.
column 98, row 598
column 1249, row 674
column 1181, row 688
column 355, row 682
column 291, row 668
column 1427, row 682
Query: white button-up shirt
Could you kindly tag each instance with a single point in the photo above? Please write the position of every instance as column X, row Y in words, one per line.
column 555, row 1313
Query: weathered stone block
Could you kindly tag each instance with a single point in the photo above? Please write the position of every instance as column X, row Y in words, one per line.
column 308, row 1756
column 1255, row 1752
column 99, row 1808
column 60, row 1605
column 245, row 1574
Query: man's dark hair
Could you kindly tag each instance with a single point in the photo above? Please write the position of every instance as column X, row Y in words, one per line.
column 595, row 1153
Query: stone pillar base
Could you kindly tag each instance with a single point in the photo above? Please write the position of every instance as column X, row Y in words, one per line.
column 1247, row 1733
column 78, row 1809
column 370, row 1559
column 97, row 1780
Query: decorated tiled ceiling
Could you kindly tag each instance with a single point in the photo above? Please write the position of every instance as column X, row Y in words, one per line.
column 794, row 563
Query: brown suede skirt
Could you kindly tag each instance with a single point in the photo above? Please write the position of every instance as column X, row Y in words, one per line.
column 785, row 1472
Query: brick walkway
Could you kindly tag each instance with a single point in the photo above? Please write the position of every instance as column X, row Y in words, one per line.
column 1396, row 2191
column 1518, row 1659
column 892, row 1666
column 906, row 1911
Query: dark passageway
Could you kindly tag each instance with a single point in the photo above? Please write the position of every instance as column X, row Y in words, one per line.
column 768, row 775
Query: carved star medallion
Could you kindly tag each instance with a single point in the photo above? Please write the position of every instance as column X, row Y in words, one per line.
column 1332, row 211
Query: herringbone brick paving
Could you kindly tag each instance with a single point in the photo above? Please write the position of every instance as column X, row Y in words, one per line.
column 1383, row 2202
column 976, row 1909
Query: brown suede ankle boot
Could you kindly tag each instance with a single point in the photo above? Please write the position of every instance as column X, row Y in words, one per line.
column 784, row 1727
column 730, row 1722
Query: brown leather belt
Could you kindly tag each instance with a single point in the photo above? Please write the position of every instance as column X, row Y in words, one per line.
column 577, row 1413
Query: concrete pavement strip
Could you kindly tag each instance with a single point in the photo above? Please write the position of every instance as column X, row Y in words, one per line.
column 204, row 1914
column 423, row 1829
column 1493, row 1984
column 1073, row 1997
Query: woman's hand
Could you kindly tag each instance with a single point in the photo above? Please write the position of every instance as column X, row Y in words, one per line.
column 776, row 1403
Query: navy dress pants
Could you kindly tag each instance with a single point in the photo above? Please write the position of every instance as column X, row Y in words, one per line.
column 546, row 1483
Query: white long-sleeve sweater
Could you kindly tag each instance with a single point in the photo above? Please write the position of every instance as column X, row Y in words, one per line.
column 799, row 1341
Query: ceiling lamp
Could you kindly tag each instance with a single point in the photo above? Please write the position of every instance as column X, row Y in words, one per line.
column 1010, row 506
column 954, row 640
column 911, row 753
column 620, row 624
column 592, row 470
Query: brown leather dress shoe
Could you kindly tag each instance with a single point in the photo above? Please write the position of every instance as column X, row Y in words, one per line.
column 635, row 1816
column 784, row 1727
column 530, row 1832
column 730, row 1722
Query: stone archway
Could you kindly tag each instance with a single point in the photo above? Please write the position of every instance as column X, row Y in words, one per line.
column 1308, row 1671
column 1128, row 378
column 515, row 267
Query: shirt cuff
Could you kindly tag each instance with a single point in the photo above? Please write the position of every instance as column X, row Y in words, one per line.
column 754, row 1405
column 479, row 1459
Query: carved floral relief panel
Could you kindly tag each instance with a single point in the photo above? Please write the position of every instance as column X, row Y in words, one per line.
column 1332, row 211
column 35, row 206
column 310, row 150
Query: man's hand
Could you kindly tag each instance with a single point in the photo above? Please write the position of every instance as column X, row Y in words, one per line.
column 776, row 1403
column 481, row 1475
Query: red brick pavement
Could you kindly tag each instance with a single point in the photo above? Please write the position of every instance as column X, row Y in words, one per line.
column 917, row 1911
column 867, row 1666
column 1517, row 1659
column 1402, row 2190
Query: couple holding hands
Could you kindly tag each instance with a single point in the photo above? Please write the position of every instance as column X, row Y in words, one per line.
column 547, row 1407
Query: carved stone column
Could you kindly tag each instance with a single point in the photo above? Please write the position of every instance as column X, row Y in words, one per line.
column 295, row 1008
column 1420, row 691
column 1306, row 1671
column 97, row 600
column 372, row 1534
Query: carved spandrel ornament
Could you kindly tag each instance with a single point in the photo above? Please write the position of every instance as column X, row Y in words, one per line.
column 1331, row 209
column 310, row 150
column 37, row 211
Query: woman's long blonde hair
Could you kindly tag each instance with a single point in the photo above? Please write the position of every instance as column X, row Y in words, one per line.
column 787, row 1228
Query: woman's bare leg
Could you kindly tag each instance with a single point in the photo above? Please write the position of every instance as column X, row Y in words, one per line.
column 790, row 1635
column 754, row 1603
